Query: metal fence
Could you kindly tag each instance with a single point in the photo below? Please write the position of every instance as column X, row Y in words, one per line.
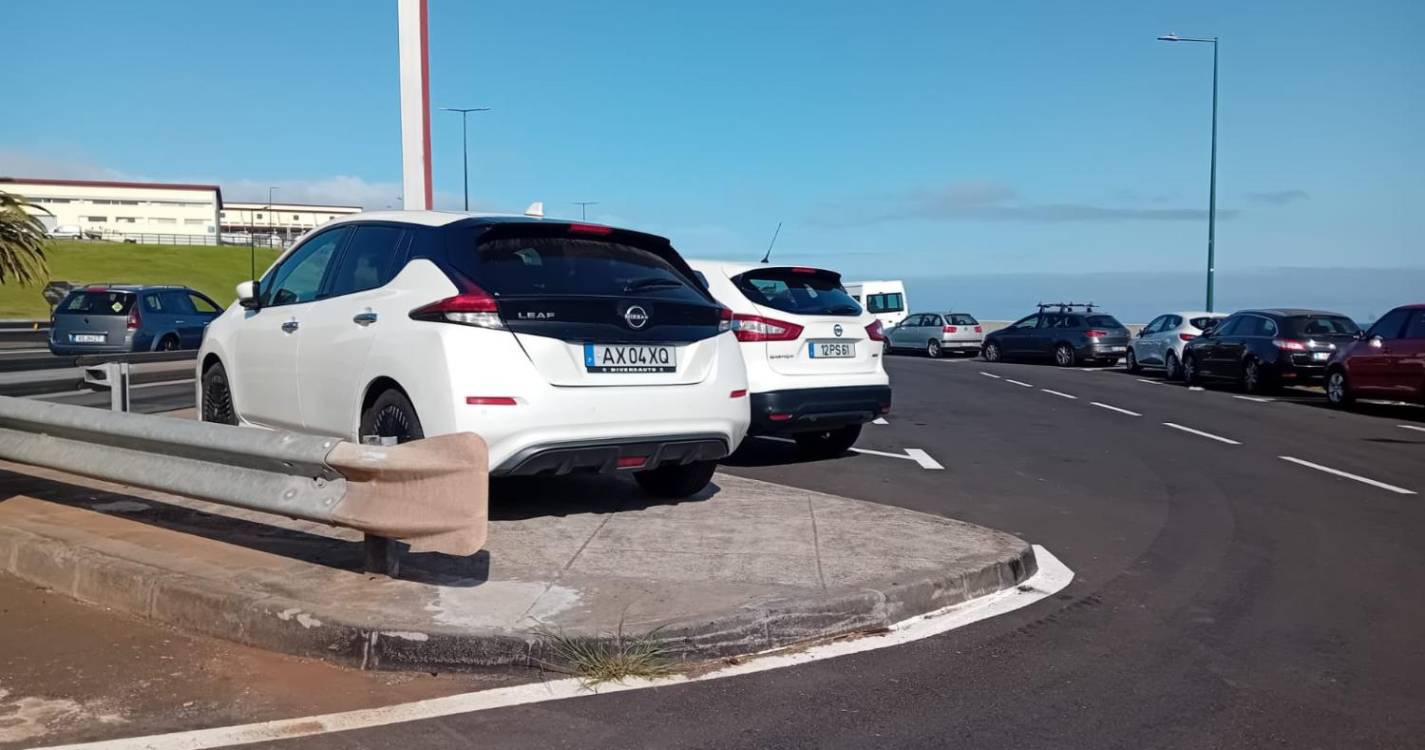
column 275, row 241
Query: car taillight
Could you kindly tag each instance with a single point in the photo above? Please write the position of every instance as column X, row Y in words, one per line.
column 472, row 307
column 803, row 269
column 1289, row 345
column 875, row 331
column 1095, row 333
column 950, row 329
column 1187, row 336
column 758, row 328
column 979, row 329
column 590, row 229
column 724, row 320
column 135, row 320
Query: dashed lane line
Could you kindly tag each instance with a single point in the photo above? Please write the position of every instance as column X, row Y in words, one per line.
column 990, row 375
column 1253, row 398
column 921, row 457
column 1348, row 475
column 1151, row 382
column 1102, row 405
column 879, row 420
column 1416, row 428
column 1018, row 383
column 1200, row 433
column 1060, row 394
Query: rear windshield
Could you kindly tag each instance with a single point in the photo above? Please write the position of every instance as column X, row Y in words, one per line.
column 1103, row 321
column 1321, row 325
column 808, row 292
column 1203, row 323
column 959, row 319
column 538, row 266
column 96, row 303
column 885, row 303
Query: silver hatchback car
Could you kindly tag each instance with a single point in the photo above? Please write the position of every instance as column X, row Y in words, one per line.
column 1161, row 342
column 937, row 334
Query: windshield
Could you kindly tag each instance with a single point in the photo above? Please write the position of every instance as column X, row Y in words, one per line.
column 884, row 303
column 960, row 319
column 1103, row 321
column 803, row 291
column 96, row 303
column 1321, row 325
column 536, row 266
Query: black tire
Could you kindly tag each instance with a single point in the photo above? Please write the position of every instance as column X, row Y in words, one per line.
column 167, row 344
column 217, row 406
column 1338, row 389
column 1191, row 374
column 932, row 349
column 1255, row 379
column 676, row 480
column 391, row 415
column 991, row 352
column 1065, row 356
column 1172, row 368
column 886, row 348
column 1133, row 365
column 827, row 443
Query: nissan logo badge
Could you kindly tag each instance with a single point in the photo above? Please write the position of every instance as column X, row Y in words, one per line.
column 837, row 330
column 636, row 317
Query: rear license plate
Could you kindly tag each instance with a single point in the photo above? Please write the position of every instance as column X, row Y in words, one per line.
column 1320, row 356
column 830, row 350
column 630, row 358
column 87, row 338
column 1114, row 348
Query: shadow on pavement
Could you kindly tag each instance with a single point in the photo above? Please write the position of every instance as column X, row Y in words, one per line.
column 523, row 498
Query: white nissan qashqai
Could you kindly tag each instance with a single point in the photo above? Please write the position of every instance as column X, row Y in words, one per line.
column 568, row 347
column 813, row 354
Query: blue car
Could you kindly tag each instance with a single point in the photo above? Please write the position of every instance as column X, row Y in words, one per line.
column 121, row 318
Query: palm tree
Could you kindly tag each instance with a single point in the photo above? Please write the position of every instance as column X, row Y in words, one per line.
column 22, row 241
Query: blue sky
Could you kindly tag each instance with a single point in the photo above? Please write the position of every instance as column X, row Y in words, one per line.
column 911, row 139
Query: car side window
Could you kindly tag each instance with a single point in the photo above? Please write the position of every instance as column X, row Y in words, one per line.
column 932, row 320
column 1155, row 325
column 1172, row 323
column 1391, row 324
column 299, row 278
column 1027, row 323
column 1416, row 329
column 368, row 261
column 1229, row 327
column 176, row 303
column 913, row 321
column 151, row 303
column 203, row 305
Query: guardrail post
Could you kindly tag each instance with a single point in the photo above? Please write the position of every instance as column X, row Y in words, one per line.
column 383, row 555
column 117, row 373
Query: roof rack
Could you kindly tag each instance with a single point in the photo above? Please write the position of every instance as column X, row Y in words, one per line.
column 125, row 285
column 1064, row 307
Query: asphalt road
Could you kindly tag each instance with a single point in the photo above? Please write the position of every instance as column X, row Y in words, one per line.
column 1225, row 596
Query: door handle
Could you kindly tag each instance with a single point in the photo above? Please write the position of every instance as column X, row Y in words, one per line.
column 291, row 326
column 364, row 319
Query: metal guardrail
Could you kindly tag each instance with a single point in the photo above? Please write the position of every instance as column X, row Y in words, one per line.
column 116, row 372
column 432, row 494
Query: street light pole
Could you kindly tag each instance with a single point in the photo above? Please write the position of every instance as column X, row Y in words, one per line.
column 1212, row 179
column 465, row 145
column 584, row 208
column 270, row 234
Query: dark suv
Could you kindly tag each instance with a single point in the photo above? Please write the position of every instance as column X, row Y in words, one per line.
column 1068, row 333
column 1262, row 349
column 119, row 318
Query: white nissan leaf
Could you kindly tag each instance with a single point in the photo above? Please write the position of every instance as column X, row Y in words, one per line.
column 568, row 347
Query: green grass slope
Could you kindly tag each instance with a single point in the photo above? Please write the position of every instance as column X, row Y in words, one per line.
column 213, row 271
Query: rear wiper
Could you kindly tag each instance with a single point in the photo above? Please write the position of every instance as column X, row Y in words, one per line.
column 651, row 282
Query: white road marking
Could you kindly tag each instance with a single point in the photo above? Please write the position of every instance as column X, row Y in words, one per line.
column 911, row 454
column 1018, row 382
column 1347, row 475
column 1411, row 427
column 1200, row 433
column 1253, row 398
column 879, row 420
column 1195, row 388
column 989, row 375
column 1151, row 382
column 1051, row 578
column 1058, row 393
column 1115, row 408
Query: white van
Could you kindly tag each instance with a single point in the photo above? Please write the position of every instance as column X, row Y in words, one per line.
column 884, row 299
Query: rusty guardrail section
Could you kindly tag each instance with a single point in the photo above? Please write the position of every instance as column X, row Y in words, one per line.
column 432, row 494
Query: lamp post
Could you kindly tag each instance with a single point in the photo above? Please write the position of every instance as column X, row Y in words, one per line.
column 1212, row 180
column 465, row 145
column 584, row 208
column 270, row 234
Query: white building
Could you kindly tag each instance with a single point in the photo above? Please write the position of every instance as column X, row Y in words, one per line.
column 125, row 210
column 285, row 220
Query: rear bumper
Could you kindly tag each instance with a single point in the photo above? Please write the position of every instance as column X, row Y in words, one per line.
column 806, row 409
column 1103, row 351
column 73, row 350
column 961, row 343
column 606, row 456
column 1290, row 372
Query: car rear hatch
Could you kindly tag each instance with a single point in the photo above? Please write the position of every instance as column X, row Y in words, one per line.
column 961, row 327
column 1105, row 330
column 1312, row 339
column 95, row 317
column 805, row 324
column 596, row 306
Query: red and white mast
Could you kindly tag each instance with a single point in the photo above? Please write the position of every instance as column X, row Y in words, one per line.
column 415, row 104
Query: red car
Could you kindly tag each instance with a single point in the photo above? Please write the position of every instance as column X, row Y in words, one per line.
column 1386, row 362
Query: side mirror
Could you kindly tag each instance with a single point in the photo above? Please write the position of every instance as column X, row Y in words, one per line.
column 247, row 295
column 1376, row 342
column 1141, row 332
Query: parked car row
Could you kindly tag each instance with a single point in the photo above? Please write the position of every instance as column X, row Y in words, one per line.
column 569, row 347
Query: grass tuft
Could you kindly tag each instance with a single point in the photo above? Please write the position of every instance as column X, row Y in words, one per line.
column 612, row 658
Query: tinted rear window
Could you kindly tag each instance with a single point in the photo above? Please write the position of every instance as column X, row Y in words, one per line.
column 538, row 266
column 1103, row 321
column 96, row 303
column 806, row 293
column 1321, row 325
column 1203, row 323
column 962, row 320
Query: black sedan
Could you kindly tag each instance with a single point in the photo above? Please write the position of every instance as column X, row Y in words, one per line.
column 1264, row 349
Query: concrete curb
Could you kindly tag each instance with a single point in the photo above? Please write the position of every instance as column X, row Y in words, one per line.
column 280, row 624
